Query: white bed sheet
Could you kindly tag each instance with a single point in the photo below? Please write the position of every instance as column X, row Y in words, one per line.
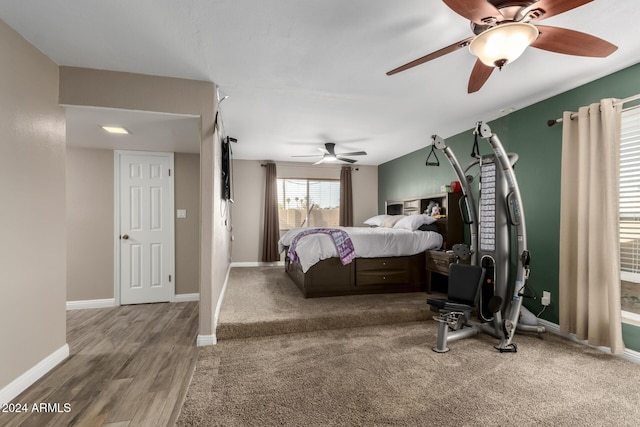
column 368, row 242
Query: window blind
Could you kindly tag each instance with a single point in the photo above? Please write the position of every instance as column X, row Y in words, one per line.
column 630, row 196
column 308, row 203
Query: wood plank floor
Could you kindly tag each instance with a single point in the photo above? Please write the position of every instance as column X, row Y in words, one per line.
column 128, row 366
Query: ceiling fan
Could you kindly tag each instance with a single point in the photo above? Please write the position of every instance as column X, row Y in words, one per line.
column 505, row 28
column 329, row 154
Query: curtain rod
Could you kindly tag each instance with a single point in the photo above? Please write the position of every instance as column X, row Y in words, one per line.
column 574, row 115
column 264, row 165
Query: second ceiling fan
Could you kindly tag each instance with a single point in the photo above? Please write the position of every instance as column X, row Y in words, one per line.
column 504, row 29
column 329, row 154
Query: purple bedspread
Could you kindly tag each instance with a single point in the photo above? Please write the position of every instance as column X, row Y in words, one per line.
column 343, row 242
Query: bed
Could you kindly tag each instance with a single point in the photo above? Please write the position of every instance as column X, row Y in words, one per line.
column 387, row 259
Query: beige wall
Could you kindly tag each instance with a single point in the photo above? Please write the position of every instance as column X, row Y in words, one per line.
column 187, row 196
column 90, row 223
column 90, row 210
column 365, row 194
column 248, row 209
column 81, row 86
column 32, row 217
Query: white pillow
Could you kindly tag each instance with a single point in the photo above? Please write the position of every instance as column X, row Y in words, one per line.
column 412, row 222
column 376, row 221
column 391, row 220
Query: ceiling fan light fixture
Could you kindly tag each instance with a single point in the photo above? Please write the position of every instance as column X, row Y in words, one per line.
column 503, row 43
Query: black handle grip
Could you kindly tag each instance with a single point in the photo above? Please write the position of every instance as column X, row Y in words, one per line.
column 464, row 212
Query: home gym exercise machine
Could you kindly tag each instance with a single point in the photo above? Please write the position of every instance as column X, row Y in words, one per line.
column 484, row 283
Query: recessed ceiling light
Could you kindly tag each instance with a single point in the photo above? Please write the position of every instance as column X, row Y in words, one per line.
column 116, row 129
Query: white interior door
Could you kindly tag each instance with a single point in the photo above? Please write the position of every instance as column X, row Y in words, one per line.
column 145, row 238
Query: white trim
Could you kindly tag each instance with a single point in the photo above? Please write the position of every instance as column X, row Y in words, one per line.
column 628, row 276
column 20, row 384
column 631, row 318
column 257, row 264
column 111, row 302
column 219, row 303
column 204, row 340
column 91, row 303
column 116, row 222
column 186, row 297
column 116, row 226
column 630, row 355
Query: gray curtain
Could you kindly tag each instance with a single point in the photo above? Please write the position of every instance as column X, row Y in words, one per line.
column 346, row 197
column 271, row 231
column 589, row 275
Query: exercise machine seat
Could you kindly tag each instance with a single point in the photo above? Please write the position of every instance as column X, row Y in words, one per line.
column 463, row 291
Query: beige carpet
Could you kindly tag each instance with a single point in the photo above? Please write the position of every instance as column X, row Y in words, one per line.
column 264, row 301
column 387, row 375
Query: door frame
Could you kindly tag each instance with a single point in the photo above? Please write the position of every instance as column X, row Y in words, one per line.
column 116, row 235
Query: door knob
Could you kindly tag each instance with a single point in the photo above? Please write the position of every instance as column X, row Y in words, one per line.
column 125, row 237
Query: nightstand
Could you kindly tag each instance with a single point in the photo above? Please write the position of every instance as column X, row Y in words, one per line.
column 438, row 262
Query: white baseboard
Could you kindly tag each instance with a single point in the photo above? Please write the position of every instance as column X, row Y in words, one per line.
column 25, row 380
column 257, row 264
column 186, row 297
column 111, row 302
column 205, row 340
column 630, row 355
column 92, row 303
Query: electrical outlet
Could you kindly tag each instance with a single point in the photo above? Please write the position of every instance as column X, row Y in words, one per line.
column 546, row 298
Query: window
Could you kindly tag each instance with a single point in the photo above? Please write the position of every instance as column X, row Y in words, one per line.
column 630, row 211
column 308, row 203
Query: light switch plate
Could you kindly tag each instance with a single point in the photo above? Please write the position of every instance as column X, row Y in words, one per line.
column 181, row 213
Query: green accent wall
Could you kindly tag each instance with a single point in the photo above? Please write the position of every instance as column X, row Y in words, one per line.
column 526, row 133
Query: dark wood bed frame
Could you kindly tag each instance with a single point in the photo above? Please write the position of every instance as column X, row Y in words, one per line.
column 380, row 275
column 362, row 276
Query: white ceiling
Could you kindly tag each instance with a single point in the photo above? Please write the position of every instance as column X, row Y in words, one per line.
column 149, row 131
column 299, row 73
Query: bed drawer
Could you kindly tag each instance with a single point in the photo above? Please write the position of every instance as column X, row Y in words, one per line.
column 366, row 264
column 382, row 271
column 438, row 261
column 378, row 277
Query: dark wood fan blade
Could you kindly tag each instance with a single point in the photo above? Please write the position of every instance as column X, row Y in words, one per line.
column 344, row 159
column 473, row 10
column 479, row 76
column 570, row 42
column 433, row 55
column 556, row 7
column 354, row 153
